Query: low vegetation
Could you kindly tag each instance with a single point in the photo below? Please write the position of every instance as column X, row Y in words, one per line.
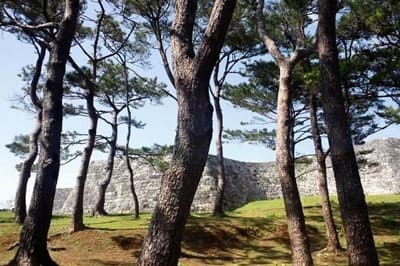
column 252, row 235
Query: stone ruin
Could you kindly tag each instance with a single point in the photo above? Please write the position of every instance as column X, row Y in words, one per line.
column 378, row 161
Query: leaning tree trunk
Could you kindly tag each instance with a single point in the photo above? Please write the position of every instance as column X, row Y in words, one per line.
column 333, row 244
column 354, row 210
column 26, row 169
column 180, row 181
column 131, row 179
column 33, row 239
column 102, row 187
column 77, row 208
column 219, row 200
column 192, row 74
column 300, row 247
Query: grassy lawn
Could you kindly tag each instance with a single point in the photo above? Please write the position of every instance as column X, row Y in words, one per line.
column 252, row 235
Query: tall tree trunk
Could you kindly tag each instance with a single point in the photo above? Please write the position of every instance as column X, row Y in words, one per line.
column 25, row 174
column 131, row 179
column 300, row 247
column 26, row 169
column 33, row 239
column 354, row 210
column 179, row 183
column 333, row 244
column 219, row 200
column 192, row 74
column 128, row 138
column 102, row 187
column 77, row 208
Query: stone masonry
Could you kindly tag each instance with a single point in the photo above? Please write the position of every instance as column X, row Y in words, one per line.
column 378, row 161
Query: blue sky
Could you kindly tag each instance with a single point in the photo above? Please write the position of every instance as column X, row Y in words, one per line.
column 160, row 121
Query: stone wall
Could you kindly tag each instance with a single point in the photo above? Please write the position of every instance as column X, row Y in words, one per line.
column 378, row 161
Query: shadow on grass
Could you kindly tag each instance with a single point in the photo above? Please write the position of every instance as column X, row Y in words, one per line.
column 242, row 241
column 127, row 243
column 383, row 208
column 389, row 253
column 252, row 240
column 382, row 225
column 90, row 227
column 385, row 218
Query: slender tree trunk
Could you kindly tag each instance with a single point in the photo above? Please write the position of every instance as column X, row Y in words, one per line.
column 333, row 244
column 77, row 209
column 20, row 195
column 26, row 169
column 132, row 184
column 192, row 74
column 102, row 187
column 128, row 138
column 219, row 200
column 299, row 242
column 33, row 239
column 354, row 210
column 300, row 247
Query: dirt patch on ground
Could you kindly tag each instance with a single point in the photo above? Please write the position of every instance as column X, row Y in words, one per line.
column 202, row 245
column 231, row 240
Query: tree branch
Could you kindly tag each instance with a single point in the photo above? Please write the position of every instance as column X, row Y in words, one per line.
column 212, row 41
column 268, row 42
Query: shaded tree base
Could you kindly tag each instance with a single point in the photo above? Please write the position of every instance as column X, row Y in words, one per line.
column 219, row 214
column 100, row 213
column 22, row 258
column 77, row 227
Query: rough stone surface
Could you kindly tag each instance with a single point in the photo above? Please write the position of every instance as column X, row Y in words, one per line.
column 378, row 161
column 60, row 197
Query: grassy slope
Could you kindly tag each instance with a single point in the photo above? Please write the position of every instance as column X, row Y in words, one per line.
column 252, row 235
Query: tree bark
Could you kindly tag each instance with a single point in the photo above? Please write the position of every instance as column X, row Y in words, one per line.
column 300, row 247
column 33, row 240
column 102, row 187
column 162, row 244
column 77, row 209
column 25, row 174
column 354, row 210
column 192, row 74
column 219, row 200
column 333, row 244
column 128, row 138
column 132, row 181
column 299, row 242
column 26, row 169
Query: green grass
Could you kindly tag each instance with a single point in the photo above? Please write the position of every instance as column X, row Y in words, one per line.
column 111, row 222
column 7, row 223
column 254, row 234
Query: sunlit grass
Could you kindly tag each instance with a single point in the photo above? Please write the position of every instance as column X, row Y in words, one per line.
column 254, row 234
column 110, row 222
